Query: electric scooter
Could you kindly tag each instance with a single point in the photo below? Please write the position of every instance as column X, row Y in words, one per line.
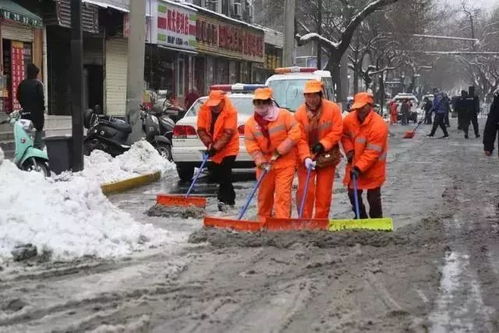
column 27, row 157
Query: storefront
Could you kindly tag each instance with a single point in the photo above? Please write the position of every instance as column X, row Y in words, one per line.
column 57, row 19
column 171, row 61
column 228, row 49
column 274, row 43
column 21, row 33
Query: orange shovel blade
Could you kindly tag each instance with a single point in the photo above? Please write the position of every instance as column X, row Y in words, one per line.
column 409, row 134
column 281, row 224
column 238, row 225
column 180, row 201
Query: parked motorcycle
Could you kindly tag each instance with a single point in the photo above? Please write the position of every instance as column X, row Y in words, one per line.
column 27, row 157
column 110, row 134
column 166, row 123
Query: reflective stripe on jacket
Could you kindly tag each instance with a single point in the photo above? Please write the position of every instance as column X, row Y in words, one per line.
column 284, row 134
column 330, row 127
column 369, row 141
column 225, row 137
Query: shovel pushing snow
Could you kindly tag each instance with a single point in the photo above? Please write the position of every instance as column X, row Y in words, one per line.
column 185, row 200
column 380, row 224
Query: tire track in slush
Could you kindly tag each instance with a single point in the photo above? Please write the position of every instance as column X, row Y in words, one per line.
column 460, row 305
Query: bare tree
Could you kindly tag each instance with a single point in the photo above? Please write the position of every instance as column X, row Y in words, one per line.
column 340, row 19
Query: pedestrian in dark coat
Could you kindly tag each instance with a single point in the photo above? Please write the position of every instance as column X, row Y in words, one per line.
column 405, row 110
column 491, row 127
column 441, row 109
column 473, row 108
column 30, row 96
column 427, row 110
column 460, row 107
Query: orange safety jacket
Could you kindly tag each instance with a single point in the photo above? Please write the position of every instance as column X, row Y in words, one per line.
column 369, row 142
column 284, row 134
column 225, row 138
column 330, row 127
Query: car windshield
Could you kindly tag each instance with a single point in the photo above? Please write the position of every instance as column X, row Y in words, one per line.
column 243, row 105
column 288, row 93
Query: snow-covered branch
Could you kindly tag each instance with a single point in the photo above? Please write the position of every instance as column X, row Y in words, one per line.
column 315, row 36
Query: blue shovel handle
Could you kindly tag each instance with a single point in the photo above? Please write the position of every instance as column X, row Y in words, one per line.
column 356, row 197
column 304, row 198
column 250, row 197
column 205, row 158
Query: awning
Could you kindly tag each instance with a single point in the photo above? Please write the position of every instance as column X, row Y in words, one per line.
column 10, row 10
column 177, row 50
column 105, row 4
column 120, row 5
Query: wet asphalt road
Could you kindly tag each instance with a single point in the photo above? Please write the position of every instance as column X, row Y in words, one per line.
column 437, row 272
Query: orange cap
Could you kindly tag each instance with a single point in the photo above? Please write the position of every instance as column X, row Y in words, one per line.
column 263, row 94
column 362, row 99
column 312, row 87
column 215, row 97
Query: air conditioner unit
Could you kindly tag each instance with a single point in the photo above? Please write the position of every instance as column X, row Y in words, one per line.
column 238, row 10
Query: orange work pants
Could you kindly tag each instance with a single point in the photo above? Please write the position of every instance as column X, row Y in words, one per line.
column 393, row 118
column 320, row 190
column 275, row 193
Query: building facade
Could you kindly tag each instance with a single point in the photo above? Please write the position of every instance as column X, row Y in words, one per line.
column 190, row 45
column 22, row 43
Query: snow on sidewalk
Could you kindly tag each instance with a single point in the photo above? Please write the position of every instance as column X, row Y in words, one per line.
column 141, row 158
column 68, row 216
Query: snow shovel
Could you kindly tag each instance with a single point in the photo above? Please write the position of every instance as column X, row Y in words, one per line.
column 282, row 224
column 185, row 200
column 238, row 224
column 381, row 224
column 410, row 134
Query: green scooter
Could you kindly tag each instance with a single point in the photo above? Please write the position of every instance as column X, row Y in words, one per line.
column 27, row 157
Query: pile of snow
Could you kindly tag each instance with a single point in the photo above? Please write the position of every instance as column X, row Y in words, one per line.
column 70, row 218
column 140, row 159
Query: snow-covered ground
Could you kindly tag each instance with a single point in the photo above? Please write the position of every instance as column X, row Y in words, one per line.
column 68, row 216
column 141, row 158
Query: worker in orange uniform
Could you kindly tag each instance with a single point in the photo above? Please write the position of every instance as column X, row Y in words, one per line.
column 365, row 142
column 217, row 129
column 322, row 129
column 393, row 113
column 271, row 135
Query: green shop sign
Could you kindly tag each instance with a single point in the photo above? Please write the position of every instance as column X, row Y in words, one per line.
column 33, row 21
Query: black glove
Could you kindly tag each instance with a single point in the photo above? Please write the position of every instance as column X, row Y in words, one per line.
column 355, row 173
column 211, row 152
column 318, row 148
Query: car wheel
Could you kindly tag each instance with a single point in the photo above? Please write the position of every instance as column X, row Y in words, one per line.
column 185, row 173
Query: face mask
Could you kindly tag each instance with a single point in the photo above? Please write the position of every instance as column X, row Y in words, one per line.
column 263, row 110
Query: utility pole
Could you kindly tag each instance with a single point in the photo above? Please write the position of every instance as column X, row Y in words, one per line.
column 289, row 32
column 319, row 31
column 135, row 75
column 76, row 86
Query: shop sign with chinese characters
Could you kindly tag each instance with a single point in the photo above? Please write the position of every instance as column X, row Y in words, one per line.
column 229, row 39
column 17, row 71
column 173, row 25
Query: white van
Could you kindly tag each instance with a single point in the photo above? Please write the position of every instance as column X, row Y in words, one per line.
column 288, row 84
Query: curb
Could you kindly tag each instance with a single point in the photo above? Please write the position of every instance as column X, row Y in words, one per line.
column 130, row 183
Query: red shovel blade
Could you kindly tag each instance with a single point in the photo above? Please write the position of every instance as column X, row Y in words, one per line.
column 238, row 225
column 282, row 224
column 409, row 134
column 180, row 201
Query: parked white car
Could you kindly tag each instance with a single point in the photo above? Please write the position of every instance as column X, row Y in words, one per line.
column 288, row 84
column 415, row 112
column 187, row 148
